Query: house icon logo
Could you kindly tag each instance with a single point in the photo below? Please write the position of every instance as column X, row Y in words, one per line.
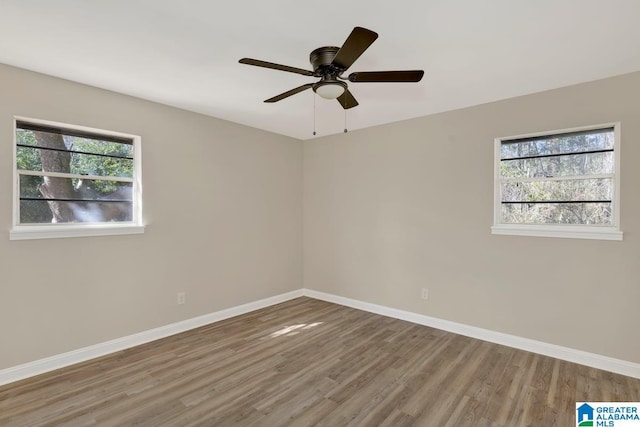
column 585, row 416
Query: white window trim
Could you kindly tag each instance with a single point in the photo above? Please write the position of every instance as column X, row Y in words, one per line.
column 597, row 232
column 48, row 231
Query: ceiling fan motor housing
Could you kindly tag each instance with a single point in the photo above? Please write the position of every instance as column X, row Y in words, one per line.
column 321, row 59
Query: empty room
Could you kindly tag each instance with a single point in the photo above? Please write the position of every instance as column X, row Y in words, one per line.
column 320, row 214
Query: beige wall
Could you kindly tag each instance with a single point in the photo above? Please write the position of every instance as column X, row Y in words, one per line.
column 223, row 208
column 392, row 209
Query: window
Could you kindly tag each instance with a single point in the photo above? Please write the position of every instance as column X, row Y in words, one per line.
column 559, row 184
column 74, row 181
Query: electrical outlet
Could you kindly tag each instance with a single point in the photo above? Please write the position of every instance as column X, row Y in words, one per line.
column 182, row 298
column 425, row 293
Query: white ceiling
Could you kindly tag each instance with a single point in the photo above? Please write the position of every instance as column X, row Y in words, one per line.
column 185, row 53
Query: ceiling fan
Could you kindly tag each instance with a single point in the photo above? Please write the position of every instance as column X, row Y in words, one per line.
column 330, row 62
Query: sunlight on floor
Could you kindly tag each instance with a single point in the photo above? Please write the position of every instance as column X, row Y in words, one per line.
column 294, row 329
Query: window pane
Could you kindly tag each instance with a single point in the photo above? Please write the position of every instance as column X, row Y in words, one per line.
column 79, row 211
column 558, row 144
column 74, row 189
column 571, row 165
column 73, row 200
column 73, row 143
column 70, row 162
column 557, row 213
column 564, row 190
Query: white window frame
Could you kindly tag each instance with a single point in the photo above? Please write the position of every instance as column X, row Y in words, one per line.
column 599, row 232
column 62, row 230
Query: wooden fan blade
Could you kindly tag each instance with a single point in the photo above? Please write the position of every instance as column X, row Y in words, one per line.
column 347, row 100
column 273, row 66
column 357, row 42
column 409, row 76
column 289, row 93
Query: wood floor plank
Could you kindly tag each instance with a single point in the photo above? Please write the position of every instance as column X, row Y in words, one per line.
column 307, row 362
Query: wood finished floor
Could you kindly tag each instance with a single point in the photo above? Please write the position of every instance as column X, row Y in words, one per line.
column 305, row 363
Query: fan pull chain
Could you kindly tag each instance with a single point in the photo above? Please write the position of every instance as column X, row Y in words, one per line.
column 314, row 113
column 345, row 121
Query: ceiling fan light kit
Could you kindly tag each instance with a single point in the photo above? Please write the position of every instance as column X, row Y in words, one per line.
column 330, row 62
column 330, row 89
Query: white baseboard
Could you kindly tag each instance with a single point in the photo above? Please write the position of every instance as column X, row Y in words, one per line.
column 610, row 364
column 41, row 366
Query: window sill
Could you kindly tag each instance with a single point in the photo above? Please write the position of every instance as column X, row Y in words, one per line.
column 560, row 231
column 29, row 232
